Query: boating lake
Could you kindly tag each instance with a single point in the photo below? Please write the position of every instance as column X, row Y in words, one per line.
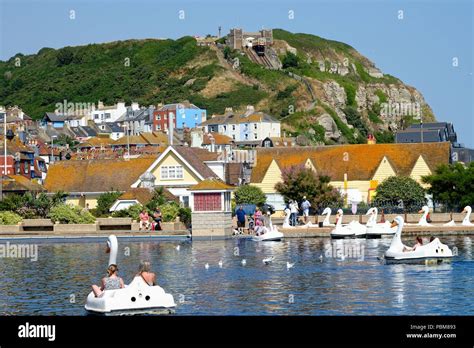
column 343, row 277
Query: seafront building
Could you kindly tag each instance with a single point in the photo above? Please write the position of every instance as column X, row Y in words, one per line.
column 247, row 129
column 355, row 170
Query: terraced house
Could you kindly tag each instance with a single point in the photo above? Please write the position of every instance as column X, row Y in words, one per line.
column 356, row 170
column 249, row 128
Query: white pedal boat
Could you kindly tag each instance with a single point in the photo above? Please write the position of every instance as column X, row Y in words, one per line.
column 268, row 236
column 431, row 253
column 137, row 296
column 377, row 230
column 352, row 230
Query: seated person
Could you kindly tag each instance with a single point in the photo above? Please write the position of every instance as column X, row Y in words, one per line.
column 144, row 220
column 419, row 242
column 259, row 230
column 144, row 272
column 111, row 282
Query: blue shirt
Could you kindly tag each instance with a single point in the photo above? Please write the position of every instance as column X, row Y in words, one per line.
column 240, row 215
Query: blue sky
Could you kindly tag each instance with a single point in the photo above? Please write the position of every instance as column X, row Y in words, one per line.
column 419, row 49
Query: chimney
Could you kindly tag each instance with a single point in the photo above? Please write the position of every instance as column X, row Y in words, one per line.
column 135, row 106
column 228, row 110
column 170, row 128
column 100, row 104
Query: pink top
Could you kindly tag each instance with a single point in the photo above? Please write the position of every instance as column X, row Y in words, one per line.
column 144, row 217
column 258, row 218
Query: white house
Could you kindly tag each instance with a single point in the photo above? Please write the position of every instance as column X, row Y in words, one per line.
column 251, row 127
column 111, row 113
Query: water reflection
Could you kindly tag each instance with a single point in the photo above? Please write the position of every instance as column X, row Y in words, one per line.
column 323, row 281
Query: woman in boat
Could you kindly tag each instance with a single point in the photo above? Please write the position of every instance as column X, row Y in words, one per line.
column 111, row 282
column 419, row 242
column 144, row 272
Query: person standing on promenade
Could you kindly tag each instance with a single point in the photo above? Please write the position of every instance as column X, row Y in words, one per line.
column 305, row 205
column 294, row 212
column 240, row 219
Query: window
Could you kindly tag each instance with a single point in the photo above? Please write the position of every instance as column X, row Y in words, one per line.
column 233, row 136
column 225, row 128
column 158, row 127
column 26, row 166
column 255, row 126
column 171, row 172
column 233, row 127
column 196, row 117
column 255, row 136
column 17, row 167
column 107, row 115
column 267, row 143
column 96, row 116
column 158, row 117
column 246, row 136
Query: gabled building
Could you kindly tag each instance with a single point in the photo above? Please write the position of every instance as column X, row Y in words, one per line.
column 136, row 121
column 105, row 114
column 184, row 115
column 179, row 168
column 248, row 129
column 362, row 167
column 86, row 180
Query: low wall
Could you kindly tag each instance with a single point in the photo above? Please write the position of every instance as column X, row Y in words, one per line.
column 211, row 224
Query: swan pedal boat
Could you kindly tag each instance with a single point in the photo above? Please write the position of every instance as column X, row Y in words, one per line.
column 137, row 296
column 377, row 230
column 269, row 236
column 354, row 229
column 434, row 252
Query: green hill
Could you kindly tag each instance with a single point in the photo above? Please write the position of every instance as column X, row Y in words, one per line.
column 162, row 71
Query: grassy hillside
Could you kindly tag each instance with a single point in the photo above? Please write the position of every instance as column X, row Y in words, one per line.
column 146, row 71
column 163, row 71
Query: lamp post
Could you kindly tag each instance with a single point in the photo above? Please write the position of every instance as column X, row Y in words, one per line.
column 52, row 147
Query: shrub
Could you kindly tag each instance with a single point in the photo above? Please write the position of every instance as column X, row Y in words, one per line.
column 290, row 60
column 249, row 194
column 300, row 181
column 9, row 218
column 400, row 191
column 68, row 214
column 105, row 202
column 133, row 212
column 169, row 212
column 185, row 216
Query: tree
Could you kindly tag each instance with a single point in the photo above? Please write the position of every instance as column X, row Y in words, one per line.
column 290, row 60
column 299, row 181
column 65, row 56
column 249, row 194
column 105, row 202
column 157, row 200
column 452, row 185
column 400, row 191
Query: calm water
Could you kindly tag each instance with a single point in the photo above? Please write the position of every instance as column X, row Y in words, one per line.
column 357, row 284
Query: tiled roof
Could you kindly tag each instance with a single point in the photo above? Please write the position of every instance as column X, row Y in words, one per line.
column 13, row 146
column 95, row 175
column 211, row 184
column 132, row 140
column 144, row 195
column 195, row 157
column 20, row 183
column 363, row 160
column 219, row 139
column 96, row 141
